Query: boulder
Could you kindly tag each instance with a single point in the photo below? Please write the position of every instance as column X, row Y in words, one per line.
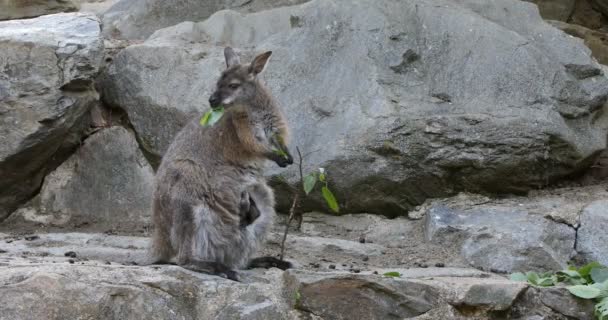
column 501, row 238
column 98, row 7
column 601, row 6
column 128, row 19
column 19, row 9
column 43, row 98
column 586, row 14
column 592, row 237
column 555, row 9
column 93, row 275
column 107, row 183
column 597, row 41
column 399, row 101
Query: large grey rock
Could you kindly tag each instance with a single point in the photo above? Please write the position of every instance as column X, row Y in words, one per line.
column 19, row 9
column 562, row 301
column 98, row 7
column 99, row 280
column 555, row 9
column 595, row 40
column 399, row 101
column 504, row 239
column 106, row 183
column 592, row 236
column 331, row 296
column 601, row 6
column 93, row 291
column 49, row 64
column 129, row 19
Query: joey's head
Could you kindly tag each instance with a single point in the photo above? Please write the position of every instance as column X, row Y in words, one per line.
column 238, row 83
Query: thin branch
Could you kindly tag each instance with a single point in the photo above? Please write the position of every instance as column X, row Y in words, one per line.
column 292, row 210
column 291, row 216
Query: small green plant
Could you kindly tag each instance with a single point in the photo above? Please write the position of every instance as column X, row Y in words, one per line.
column 308, row 184
column 298, row 297
column 587, row 282
column 392, row 274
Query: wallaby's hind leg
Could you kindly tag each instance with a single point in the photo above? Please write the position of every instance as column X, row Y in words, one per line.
column 210, row 267
column 184, row 216
column 269, row 262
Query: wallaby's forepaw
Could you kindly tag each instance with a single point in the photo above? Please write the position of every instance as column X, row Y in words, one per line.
column 269, row 262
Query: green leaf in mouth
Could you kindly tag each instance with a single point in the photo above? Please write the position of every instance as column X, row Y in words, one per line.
column 212, row 116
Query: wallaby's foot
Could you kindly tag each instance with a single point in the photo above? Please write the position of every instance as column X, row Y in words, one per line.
column 212, row 268
column 249, row 211
column 269, row 262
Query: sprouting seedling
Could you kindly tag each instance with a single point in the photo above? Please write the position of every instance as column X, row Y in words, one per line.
column 212, row 116
column 310, row 180
column 308, row 184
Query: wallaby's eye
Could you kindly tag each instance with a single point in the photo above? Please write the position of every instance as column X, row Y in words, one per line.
column 233, row 85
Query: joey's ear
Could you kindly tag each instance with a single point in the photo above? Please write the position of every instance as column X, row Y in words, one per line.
column 258, row 64
column 231, row 57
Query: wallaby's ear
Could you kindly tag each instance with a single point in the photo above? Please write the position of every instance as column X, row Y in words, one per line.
column 258, row 64
column 231, row 57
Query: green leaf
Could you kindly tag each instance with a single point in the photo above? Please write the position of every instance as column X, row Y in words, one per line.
column 569, row 273
column 532, row 277
column 322, row 177
column 212, row 116
column 393, row 274
column 546, row 282
column 586, row 269
column 601, row 309
column 280, row 152
column 570, row 276
column 599, row 274
column 330, row 199
column 205, row 118
column 309, row 182
column 603, row 287
column 518, row 276
column 585, row 292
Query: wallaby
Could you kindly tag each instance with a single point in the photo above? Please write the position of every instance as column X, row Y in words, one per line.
column 212, row 207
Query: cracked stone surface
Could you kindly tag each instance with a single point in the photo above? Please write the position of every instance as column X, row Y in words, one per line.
column 115, row 177
column 592, row 236
column 414, row 99
column 44, row 98
column 100, row 276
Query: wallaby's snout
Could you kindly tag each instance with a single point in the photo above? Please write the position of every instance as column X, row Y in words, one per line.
column 214, row 100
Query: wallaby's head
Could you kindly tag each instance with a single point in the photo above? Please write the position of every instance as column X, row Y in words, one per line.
column 238, row 82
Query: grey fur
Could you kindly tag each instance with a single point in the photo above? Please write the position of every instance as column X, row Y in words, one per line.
column 206, row 174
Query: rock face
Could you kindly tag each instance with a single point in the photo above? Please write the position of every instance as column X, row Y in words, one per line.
column 91, row 275
column 106, row 183
column 19, row 9
column 129, row 19
column 595, row 40
column 44, row 97
column 555, row 9
column 592, row 236
column 601, row 6
column 399, row 101
column 502, row 239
